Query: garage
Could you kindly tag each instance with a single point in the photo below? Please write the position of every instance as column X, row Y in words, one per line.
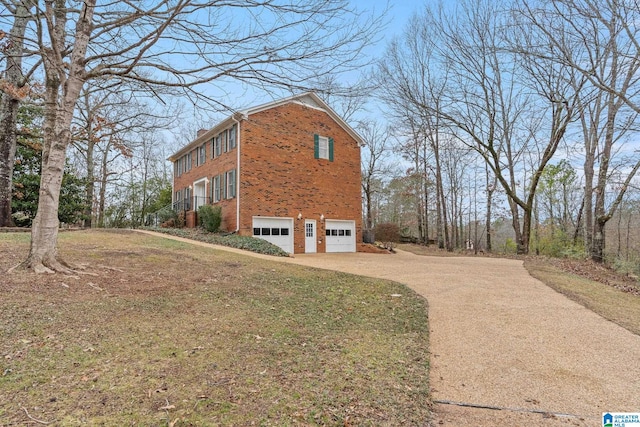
column 278, row 231
column 340, row 235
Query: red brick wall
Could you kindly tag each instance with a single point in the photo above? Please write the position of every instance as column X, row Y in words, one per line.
column 209, row 169
column 281, row 177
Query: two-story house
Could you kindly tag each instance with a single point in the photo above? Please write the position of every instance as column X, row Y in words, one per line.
column 287, row 172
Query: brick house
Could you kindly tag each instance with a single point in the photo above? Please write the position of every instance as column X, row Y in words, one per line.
column 287, row 171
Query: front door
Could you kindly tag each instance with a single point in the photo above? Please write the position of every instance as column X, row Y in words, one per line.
column 310, row 236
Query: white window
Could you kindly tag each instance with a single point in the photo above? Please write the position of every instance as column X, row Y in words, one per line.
column 232, row 137
column 230, row 178
column 200, row 155
column 225, row 141
column 323, row 147
column 216, row 188
column 218, row 146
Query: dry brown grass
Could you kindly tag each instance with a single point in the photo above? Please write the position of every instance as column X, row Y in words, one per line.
column 601, row 290
column 165, row 333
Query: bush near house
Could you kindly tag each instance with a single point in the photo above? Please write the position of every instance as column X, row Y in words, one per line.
column 246, row 243
column 210, row 217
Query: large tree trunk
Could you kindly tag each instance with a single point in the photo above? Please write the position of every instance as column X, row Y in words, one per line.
column 44, row 235
column 58, row 114
column 598, row 242
column 13, row 92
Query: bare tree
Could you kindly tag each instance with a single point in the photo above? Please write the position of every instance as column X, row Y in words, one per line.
column 490, row 87
column 409, row 82
column 599, row 40
column 175, row 43
column 109, row 117
column 375, row 164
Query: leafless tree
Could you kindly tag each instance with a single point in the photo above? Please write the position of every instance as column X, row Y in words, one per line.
column 599, row 40
column 489, row 89
column 408, row 82
column 183, row 44
column 375, row 164
column 110, row 117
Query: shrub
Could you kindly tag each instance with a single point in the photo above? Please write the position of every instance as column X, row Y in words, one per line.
column 210, row 217
column 510, row 246
column 387, row 232
column 180, row 220
column 231, row 240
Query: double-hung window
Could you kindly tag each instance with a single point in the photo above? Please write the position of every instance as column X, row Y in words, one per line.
column 218, row 145
column 201, row 155
column 232, row 137
column 230, row 178
column 188, row 164
column 323, row 147
column 216, row 188
column 225, row 141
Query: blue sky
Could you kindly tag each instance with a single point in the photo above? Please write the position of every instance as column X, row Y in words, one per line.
column 241, row 95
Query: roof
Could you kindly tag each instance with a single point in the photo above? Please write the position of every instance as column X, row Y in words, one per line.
column 308, row 99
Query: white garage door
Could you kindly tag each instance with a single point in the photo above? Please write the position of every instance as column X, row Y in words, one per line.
column 340, row 235
column 278, row 231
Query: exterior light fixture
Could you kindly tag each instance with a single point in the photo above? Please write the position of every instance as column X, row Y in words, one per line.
column 321, row 217
column 300, row 215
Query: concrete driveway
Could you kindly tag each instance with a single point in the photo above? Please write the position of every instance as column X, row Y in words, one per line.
column 506, row 350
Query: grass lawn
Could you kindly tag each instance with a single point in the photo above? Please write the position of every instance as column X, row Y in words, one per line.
column 603, row 296
column 162, row 333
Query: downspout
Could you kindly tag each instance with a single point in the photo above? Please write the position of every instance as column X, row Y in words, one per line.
column 237, row 173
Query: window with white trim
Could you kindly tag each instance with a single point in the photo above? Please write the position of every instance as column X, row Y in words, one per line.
column 201, row 155
column 323, row 147
column 232, row 137
column 230, row 178
column 216, row 188
column 187, row 162
column 218, row 145
column 225, row 141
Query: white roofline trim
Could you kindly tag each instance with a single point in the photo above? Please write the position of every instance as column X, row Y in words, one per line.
column 244, row 115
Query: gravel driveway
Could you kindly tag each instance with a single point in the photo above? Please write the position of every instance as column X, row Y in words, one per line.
column 502, row 339
column 506, row 350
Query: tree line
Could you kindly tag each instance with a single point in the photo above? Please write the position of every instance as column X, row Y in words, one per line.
column 502, row 112
column 518, row 111
column 151, row 50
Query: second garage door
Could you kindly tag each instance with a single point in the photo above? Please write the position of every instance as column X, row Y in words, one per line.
column 340, row 235
column 278, row 231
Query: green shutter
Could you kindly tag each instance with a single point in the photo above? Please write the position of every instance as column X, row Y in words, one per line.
column 223, row 186
column 235, row 183
column 331, row 149
column 316, row 146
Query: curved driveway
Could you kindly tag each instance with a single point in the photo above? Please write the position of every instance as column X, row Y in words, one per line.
column 502, row 339
column 506, row 350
